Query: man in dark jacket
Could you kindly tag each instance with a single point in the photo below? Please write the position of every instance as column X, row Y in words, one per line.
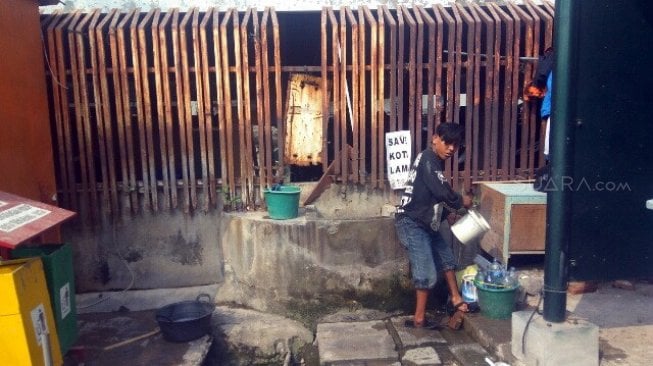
column 418, row 218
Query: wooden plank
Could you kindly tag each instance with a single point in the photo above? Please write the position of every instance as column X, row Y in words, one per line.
column 99, row 115
column 206, row 116
column 472, row 167
column 246, row 152
column 418, row 92
column 453, row 162
column 360, row 153
column 229, row 145
column 281, row 131
column 430, row 68
column 127, row 129
column 55, row 53
column 514, row 90
column 355, row 88
column 439, row 45
column 496, row 80
column 219, row 77
column 266, row 98
column 401, row 68
column 178, row 70
column 161, row 102
column 374, row 126
column 103, row 76
column 336, row 90
column 79, row 122
column 471, row 126
column 139, row 123
column 380, row 104
column 260, row 110
column 527, row 227
column 342, row 57
column 507, row 21
column 186, row 118
column 451, row 49
column 146, row 105
column 325, row 87
column 533, row 111
column 412, row 124
column 169, row 129
column 201, row 72
column 487, row 25
column 239, row 123
column 393, row 67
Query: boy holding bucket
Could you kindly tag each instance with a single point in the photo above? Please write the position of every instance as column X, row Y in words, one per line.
column 418, row 219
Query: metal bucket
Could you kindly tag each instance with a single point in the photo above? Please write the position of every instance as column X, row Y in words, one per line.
column 470, row 227
column 187, row 320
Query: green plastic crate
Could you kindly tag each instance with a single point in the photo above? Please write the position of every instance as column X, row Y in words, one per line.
column 58, row 267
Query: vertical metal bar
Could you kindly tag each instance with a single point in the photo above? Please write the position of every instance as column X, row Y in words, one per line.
column 393, row 67
column 186, row 120
column 419, row 82
column 98, row 107
column 266, row 90
column 431, row 74
column 277, row 86
column 201, row 72
column 476, row 146
column 355, row 78
column 373, row 96
column 451, row 55
column 325, row 88
column 206, row 114
column 336, row 90
column 140, row 118
column 160, row 112
column 401, row 69
column 168, row 125
column 228, row 131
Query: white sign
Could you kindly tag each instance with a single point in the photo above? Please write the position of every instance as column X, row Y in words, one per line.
column 398, row 148
column 65, row 299
column 39, row 322
column 20, row 215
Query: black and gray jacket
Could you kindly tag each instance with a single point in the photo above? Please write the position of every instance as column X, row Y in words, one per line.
column 426, row 187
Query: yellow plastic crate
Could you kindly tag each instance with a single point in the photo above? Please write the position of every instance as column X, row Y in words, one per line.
column 25, row 313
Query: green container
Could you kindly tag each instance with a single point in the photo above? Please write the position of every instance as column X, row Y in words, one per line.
column 283, row 202
column 58, row 267
column 495, row 303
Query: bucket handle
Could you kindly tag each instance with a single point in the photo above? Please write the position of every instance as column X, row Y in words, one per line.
column 203, row 297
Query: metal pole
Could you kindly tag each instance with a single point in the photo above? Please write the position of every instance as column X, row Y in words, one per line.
column 561, row 153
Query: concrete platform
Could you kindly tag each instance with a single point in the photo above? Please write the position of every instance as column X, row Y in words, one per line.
column 130, row 338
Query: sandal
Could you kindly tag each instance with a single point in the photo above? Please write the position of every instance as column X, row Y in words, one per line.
column 454, row 308
column 425, row 324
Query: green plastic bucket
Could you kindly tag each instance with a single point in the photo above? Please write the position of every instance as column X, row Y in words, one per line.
column 283, row 202
column 495, row 303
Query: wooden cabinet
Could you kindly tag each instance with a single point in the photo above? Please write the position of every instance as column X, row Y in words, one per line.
column 517, row 217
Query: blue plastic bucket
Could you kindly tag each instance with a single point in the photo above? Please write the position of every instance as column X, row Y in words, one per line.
column 283, row 202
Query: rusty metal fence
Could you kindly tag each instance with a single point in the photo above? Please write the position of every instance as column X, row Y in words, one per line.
column 184, row 110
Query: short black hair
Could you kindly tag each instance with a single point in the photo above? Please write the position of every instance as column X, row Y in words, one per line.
column 450, row 133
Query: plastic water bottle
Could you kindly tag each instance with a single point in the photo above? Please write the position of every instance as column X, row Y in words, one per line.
column 510, row 280
column 496, row 272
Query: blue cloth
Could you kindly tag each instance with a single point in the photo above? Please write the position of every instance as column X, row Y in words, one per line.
column 545, row 109
column 427, row 251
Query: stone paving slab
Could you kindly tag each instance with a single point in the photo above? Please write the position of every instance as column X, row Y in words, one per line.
column 411, row 337
column 423, row 356
column 470, row 354
column 356, row 343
